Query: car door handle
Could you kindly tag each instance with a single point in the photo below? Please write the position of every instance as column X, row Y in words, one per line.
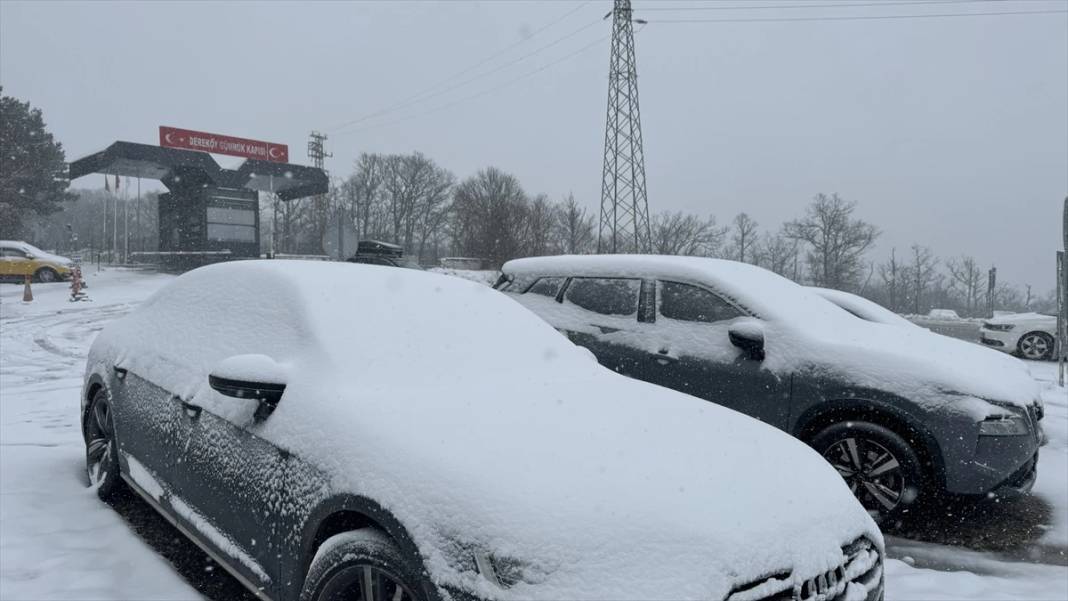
column 192, row 410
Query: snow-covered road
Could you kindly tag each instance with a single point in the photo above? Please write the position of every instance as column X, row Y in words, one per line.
column 57, row 541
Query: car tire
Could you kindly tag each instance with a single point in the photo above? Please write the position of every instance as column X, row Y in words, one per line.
column 45, row 275
column 347, row 564
column 1036, row 346
column 878, row 465
column 101, row 448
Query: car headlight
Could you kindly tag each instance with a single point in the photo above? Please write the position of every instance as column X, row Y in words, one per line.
column 1004, row 425
column 998, row 327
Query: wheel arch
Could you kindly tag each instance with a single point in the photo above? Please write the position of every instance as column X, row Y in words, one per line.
column 343, row 513
column 92, row 386
column 908, row 427
column 37, row 272
column 1039, row 332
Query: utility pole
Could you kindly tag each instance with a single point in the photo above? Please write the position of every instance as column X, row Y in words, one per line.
column 624, row 222
column 317, row 153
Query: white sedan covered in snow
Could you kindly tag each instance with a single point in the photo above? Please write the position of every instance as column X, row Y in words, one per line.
column 338, row 431
column 1030, row 335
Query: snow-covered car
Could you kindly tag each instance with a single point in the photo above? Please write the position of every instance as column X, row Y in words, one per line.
column 900, row 412
column 21, row 259
column 862, row 307
column 943, row 314
column 1030, row 335
column 327, row 431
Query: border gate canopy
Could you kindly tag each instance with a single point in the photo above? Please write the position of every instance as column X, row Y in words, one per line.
column 178, row 168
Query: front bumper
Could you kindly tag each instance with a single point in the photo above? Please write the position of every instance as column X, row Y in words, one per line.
column 1002, row 341
column 999, row 464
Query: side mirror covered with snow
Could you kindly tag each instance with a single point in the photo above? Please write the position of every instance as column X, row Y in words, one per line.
column 748, row 336
column 257, row 377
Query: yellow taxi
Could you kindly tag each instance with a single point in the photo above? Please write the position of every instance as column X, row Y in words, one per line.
column 19, row 259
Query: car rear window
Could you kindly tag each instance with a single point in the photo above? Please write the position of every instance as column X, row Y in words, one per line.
column 690, row 303
column 608, row 296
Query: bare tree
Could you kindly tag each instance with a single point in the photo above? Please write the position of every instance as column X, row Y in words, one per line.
column 967, row 278
column 489, row 209
column 683, row 234
column 538, row 227
column 837, row 242
column 777, row 253
column 922, row 274
column 574, row 227
column 743, row 238
column 891, row 274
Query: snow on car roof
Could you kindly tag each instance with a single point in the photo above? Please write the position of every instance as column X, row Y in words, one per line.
column 365, row 316
column 760, row 291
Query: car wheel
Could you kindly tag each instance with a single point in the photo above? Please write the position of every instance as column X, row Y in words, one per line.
column 101, row 448
column 363, row 565
column 46, row 275
column 880, row 468
column 1036, row 346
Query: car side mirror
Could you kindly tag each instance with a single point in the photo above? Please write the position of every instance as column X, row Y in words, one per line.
column 257, row 377
column 748, row 336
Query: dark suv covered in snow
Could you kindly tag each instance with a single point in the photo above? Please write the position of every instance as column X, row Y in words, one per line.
column 900, row 412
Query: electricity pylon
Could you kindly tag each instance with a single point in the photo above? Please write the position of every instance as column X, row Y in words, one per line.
column 624, row 223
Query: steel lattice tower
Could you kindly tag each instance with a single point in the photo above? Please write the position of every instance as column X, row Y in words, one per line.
column 624, row 223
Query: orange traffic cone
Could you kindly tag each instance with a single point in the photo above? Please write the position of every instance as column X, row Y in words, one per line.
column 27, row 294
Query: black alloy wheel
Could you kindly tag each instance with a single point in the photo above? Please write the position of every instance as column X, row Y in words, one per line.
column 880, row 468
column 101, row 449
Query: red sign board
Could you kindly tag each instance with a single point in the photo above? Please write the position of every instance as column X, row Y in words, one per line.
column 172, row 137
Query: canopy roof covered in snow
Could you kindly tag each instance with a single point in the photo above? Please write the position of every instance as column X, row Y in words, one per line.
column 172, row 165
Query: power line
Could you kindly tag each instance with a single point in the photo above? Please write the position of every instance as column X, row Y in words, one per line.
column 502, row 86
column 831, row 5
column 476, row 77
column 417, row 97
column 860, row 17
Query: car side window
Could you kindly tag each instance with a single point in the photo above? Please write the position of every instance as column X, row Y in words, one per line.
column 607, row 296
column 12, row 253
column 547, row 287
column 690, row 303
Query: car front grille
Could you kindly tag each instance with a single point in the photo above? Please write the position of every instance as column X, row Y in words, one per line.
column 991, row 342
column 861, row 567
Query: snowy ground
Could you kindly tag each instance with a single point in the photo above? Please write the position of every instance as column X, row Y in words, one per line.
column 57, row 541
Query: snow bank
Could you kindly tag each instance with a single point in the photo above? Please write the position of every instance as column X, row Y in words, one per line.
column 485, row 431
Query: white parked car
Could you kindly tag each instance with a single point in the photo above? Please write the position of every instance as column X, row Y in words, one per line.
column 1029, row 335
column 339, row 431
column 862, row 307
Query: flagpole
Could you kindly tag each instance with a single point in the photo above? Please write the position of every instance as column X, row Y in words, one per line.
column 126, row 223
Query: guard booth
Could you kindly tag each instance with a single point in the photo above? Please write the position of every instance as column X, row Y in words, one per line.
column 209, row 213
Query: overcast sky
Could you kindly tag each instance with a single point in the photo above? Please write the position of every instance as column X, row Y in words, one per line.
column 949, row 132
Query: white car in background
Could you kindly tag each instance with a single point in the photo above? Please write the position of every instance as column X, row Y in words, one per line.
column 1030, row 335
column 862, row 307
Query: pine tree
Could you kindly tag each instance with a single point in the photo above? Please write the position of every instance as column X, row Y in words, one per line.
column 33, row 171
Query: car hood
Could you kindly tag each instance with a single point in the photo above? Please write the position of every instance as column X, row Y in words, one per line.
column 1019, row 318
column 598, row 487
column 922, row 366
